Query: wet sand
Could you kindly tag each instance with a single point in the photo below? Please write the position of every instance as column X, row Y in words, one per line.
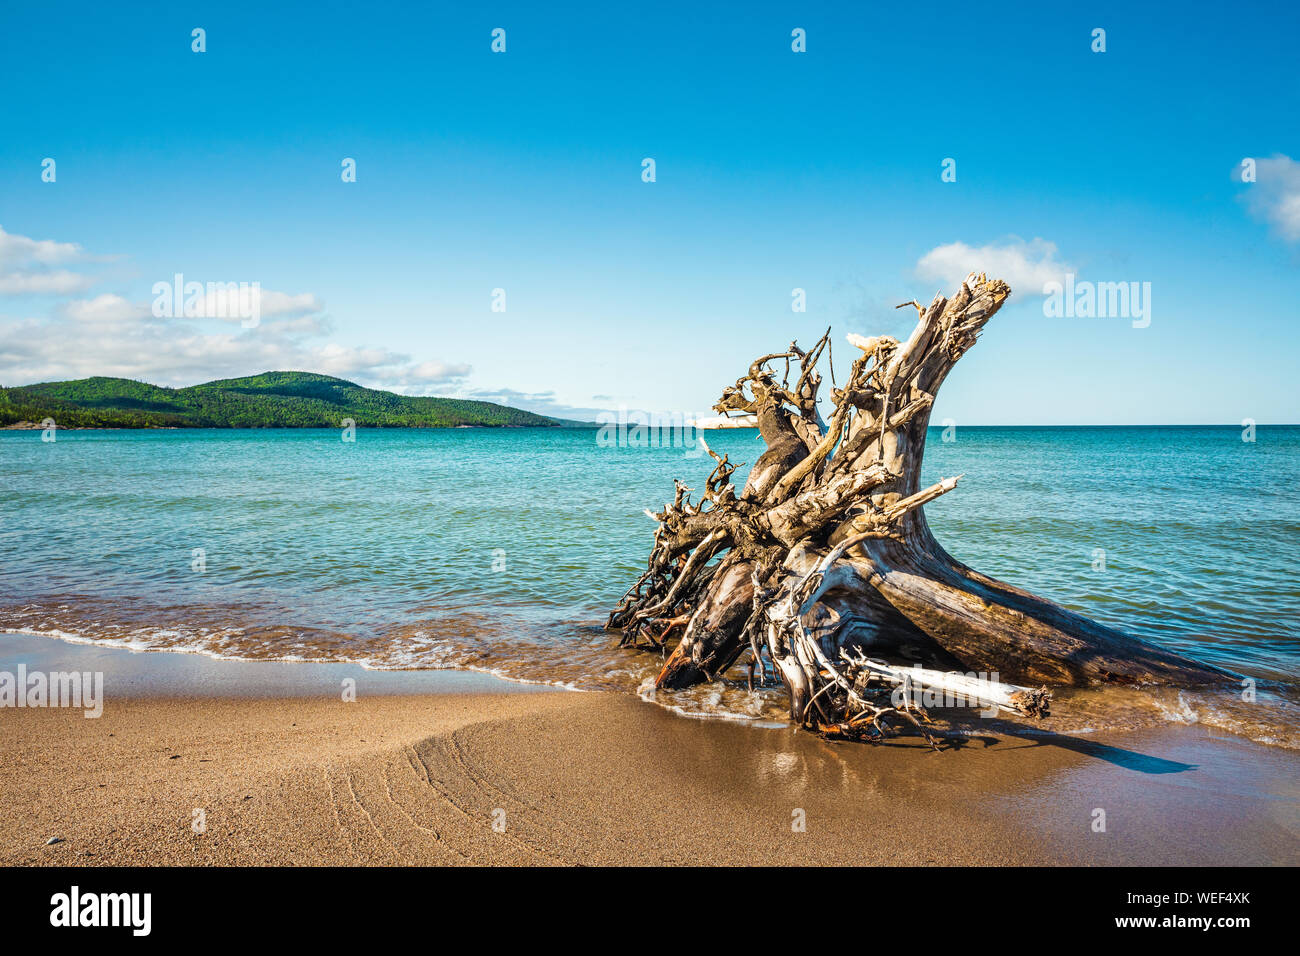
column 461, row 769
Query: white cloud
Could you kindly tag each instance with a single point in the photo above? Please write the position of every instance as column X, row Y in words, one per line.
column 425, row 374
column 232, row 302
column 104, row 308
column 380, row 368
column 300, row 325
column 1275, row 195
column 543, row 403
column 1025, row 266
column 110, row 335
column 56, row 282
column 25, row 266
column 15, row 250
column 278, row 303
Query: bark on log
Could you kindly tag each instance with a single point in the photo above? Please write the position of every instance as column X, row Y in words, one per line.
column 824, row 563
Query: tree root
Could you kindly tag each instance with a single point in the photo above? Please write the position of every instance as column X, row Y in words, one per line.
column 824, row 562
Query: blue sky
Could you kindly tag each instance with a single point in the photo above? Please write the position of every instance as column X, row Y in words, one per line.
column 775, row 170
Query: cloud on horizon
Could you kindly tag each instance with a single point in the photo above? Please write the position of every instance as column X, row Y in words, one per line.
column 546, row 403
column 112, row 335
column 543, row 403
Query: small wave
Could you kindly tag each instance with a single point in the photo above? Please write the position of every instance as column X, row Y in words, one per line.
column 582, row 657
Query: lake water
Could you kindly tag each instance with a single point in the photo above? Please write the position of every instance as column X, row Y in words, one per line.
column 503, row 550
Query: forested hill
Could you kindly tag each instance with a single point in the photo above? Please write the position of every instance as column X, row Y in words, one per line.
column 270, row 400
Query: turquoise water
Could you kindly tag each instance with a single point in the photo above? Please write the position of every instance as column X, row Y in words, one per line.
column 503, row 550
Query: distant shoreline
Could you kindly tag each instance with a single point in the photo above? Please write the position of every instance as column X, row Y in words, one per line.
column 559, row 424
column 37, row 426
column 283, row 399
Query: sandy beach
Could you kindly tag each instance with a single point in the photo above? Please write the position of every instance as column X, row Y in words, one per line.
column 469, row 770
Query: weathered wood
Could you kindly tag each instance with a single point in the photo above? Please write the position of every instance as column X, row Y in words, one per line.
column 825, row 563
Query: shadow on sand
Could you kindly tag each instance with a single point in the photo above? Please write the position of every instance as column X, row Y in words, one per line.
column 1120, row 757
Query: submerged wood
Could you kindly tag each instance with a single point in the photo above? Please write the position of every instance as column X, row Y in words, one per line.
column 824, row 565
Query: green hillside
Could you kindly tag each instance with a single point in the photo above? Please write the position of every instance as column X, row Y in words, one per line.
column 269, row 400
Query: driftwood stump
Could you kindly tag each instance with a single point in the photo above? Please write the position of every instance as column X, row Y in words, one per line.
column 824, row 563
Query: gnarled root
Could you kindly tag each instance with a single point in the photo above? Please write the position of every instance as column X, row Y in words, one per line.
column 824, row 563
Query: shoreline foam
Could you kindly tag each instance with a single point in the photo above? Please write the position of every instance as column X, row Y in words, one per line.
column 1274, row 722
